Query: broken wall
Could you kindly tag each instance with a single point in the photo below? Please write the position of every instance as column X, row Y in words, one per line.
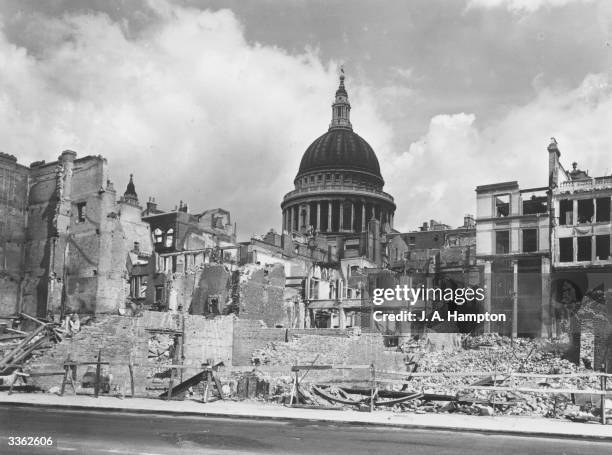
column 122, row 339
column 13, row 216
column 262, row 295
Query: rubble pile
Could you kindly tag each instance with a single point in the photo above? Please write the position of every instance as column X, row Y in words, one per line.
column 498, row 355
column 489, row 353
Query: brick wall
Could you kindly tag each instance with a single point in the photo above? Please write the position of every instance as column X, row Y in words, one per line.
column 123, row 338
column 262, row 295
column 250, row 335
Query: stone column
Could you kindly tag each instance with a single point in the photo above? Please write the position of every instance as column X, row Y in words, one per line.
column 341, row 216
column 575, row 248
column 341, row 318
column 488, row 291
column 284, row 220
column 593, row 249
column 318, row 216
column 307, row 223
column 363, row 216
column 575, row 211
column 352, row 216
column 514, row 299
column 546, row 303
column 329, row 217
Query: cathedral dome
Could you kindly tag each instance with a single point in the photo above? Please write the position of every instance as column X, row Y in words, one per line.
column 340, row 148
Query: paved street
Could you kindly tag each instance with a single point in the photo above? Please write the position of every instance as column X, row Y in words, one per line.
column 103, row 432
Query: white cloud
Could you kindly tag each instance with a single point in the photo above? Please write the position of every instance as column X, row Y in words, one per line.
column 189, row 106
column 437, row 176
column 527, row 6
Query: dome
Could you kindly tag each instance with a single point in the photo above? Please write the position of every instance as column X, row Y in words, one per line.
column 340, row 148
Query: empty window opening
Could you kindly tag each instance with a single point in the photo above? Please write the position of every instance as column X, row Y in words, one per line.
column 585, row 210
column 602, row 247
column 169, row 237
column 603, row 209
column 81, row 212
column 502, row 242
column 584, row 248
column 566, row 250
column 566, row 212
column 502, row 205
column 159, row 236
column 535, row 205
column 530, row 240
column 159, row 294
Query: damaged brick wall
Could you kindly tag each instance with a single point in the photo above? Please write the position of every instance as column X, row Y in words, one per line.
column 291, row 346
column 213, row 280
column 262, row 292
column 122, row 339
column 13, row 213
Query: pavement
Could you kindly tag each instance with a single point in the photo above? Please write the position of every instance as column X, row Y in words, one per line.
column 509, row 425
column 100, row 432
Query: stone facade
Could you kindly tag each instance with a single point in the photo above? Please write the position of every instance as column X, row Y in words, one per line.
column 67, row 238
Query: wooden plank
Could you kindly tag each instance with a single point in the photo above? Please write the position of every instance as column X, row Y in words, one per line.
column 32, row 318
column 531, row 390
column 8, row 357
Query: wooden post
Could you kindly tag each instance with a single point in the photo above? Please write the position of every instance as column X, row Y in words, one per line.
column 97, row 383
column 131, row 368
column 171, row 384
column 372, row 386
column 603, row 399
column 207, row 386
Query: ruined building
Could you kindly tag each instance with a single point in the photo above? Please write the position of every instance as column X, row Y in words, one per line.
column 66, row 241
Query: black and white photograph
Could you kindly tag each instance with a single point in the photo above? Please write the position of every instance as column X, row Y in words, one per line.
column 310, row 227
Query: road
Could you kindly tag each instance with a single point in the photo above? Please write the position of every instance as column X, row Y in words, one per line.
column 77, row 432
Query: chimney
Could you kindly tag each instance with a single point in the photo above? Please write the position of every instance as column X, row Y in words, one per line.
column 468, row 221
column 151, row 205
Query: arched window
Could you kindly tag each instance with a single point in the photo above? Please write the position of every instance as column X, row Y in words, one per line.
column 157, row 234
column 169, row 237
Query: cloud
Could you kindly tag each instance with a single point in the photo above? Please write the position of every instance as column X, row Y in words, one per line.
column 188, row 105
column 525, row 6
column 437, row 176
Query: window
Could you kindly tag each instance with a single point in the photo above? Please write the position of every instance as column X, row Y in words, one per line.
column 159, row 294
column 81, row 212
column 212, row 305
column 502, row 205
column 566, row 250
column 158, row 236
column 602, row 247
column 502, row 242
column 566, row 212
column 138, row 287
column 535, row 205
column 584, row 248
column 530, row 240
column 169, row 238
column 585, row 210
column 603, row 209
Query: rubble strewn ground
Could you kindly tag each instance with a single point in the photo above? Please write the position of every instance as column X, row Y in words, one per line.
column 491, row 353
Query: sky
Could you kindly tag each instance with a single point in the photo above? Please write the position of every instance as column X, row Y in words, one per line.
column 214, row 102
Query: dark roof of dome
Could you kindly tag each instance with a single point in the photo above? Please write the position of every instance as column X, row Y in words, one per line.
column 340, row 148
